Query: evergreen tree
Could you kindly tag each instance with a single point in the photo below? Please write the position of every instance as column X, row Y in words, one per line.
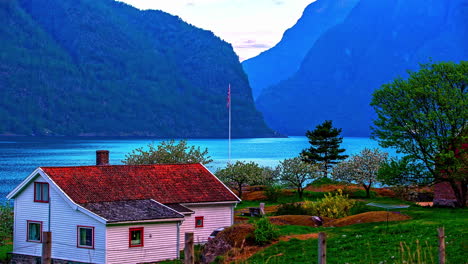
column 325, row 149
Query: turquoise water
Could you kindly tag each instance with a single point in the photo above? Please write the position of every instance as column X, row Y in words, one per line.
column 19, row 156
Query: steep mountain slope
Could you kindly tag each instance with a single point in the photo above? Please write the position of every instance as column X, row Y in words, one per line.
column 377, row 43
column 283, row 60
column 84, row 67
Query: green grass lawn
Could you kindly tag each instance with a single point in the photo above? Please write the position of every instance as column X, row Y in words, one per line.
column 293, row 198
column 375, row 243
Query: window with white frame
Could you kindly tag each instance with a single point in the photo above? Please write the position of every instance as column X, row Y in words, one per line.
column 85, row 237
column 34, row 230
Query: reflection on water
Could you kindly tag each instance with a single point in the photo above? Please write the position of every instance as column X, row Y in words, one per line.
column 19, row 156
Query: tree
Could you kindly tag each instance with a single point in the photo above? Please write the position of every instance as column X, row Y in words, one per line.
column 425, row 117
column 296, row 173
column 403, row 172
column 325, row 149
column 240, row 174
column 6, row 223
column 361, row 168
column 168, row 152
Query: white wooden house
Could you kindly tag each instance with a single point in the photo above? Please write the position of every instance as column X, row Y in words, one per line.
column 117, row 214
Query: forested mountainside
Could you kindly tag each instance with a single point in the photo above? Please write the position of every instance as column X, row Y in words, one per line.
column 86, row 67
column 376, row 43
column 284, row 59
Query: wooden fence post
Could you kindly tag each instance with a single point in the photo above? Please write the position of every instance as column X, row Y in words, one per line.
column 441, row 233
column 46, row 247
column 189, row 254
column 322, row 248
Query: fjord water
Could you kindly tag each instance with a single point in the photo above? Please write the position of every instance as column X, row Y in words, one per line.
column 19, row 156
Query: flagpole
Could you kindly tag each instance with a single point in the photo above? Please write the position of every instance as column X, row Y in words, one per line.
column 229, row 151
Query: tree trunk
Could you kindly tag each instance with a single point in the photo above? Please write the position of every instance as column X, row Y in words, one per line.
column 300, row 192
column 367, row 187
column 239, row 190
column 459, row 189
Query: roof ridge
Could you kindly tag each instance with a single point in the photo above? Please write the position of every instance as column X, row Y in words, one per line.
column 121, row 165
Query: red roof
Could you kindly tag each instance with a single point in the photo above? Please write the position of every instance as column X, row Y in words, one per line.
column 165, row 183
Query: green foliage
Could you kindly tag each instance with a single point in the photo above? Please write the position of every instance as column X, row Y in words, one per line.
column 403, row 172
column 6, row 223
column 240, row 174
column 265, row 232
column 425, row 118
column 332, row 205
column 325, row 149
column 291, row 209
column 362, row 194
column 324, row 181
column 72, row 67
column 273, row 193
column 296, row 173
column 168, row 152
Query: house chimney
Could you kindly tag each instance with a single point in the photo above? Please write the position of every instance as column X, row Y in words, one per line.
column 102, row 157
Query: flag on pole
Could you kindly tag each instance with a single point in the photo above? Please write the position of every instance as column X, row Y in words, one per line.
column 228, row 104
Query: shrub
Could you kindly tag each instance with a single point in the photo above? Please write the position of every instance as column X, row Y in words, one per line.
column 362, row 194
column 291, row 209
column 6, row 223
column 273, row 193
column 332, row 205
column 323, row 181
column 265, row 231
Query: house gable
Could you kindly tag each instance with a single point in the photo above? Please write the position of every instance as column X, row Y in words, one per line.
column 58, row 217
column 39, row 173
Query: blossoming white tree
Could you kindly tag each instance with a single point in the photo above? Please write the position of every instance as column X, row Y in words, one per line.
column 297, row 173
column 361, row 168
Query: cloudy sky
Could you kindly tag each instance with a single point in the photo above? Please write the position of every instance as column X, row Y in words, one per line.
column 251, row 26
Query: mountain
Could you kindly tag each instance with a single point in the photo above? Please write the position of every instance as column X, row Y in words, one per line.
column 376, row 43
column 284, row 59
column 104, row 68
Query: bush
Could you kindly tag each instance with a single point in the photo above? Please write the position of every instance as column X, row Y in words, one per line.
column 323, row 181
column 265, row 232
column 362, row 194
column 332, row 205
column 273, row 193
column 291, row 209
column 6, row 223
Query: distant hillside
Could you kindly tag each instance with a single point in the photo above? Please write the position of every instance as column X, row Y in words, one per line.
column 376, row 43
column 283, row 60
column 85, row 67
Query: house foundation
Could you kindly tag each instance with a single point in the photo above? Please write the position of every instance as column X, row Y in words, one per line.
column 27, row 259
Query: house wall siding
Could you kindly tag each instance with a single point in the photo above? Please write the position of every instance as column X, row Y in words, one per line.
column 28, row 210
column 160, row 243
column 214, row 216
column 63, row 225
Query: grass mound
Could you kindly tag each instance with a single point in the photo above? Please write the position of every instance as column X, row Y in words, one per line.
column 236, row 235
column 254, row 196
column 302, row 220
column 368, row 217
